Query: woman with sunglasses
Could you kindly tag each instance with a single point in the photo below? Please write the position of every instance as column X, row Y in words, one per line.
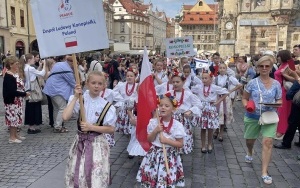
column 284, row 72
column 267, row 90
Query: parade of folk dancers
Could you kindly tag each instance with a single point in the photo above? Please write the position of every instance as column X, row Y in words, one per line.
column 161, row 104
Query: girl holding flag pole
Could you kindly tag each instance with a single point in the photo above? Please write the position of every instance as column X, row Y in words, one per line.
column 167, row 131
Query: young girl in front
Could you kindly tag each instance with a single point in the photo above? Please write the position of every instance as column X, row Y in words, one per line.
column 168, row 131
column 225, row 108
column 128, row 91
column 189, row 108
column 88, row 162
column 159, row 76
column 208, row 94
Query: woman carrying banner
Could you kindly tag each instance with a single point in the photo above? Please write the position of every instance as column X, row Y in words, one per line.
column 88, row 162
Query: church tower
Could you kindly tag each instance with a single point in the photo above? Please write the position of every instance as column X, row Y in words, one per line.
column 253, row 26
column 227, row 26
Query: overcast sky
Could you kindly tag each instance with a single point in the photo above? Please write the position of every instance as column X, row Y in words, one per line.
column 172, row 7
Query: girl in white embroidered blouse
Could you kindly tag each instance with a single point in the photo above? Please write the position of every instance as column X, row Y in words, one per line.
column 88, row 162
column 170, row 132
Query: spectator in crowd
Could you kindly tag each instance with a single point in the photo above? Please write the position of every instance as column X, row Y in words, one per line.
column 49, row 64
column 284, row 72
column 82, row 71
column 33, row 110
column 267, row 90
column 96, row 63
column 13, row 95
column 293, row 121
column 242, row 66
column 59, row 87
column 113, row 71
column 296, row 52
column 36, row 58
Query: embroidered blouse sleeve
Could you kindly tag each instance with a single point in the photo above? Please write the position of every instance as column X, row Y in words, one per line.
column 220, row 90
column 111, row 117
column 196, row 104
column 178, row 130
column 151, row 126
column 234, row 81
column 76, row 107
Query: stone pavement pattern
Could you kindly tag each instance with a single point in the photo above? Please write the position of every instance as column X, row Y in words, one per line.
column 39, row 162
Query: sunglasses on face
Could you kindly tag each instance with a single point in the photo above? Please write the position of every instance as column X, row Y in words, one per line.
column 264, row 66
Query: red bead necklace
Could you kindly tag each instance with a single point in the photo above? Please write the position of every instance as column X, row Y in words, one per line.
column 129, row 93
column 181, row 98
column 168, row 128
column 206, row 93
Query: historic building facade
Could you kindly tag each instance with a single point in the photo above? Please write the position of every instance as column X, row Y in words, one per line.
column 201, row 22
column 20, row 25
column 157, row 28
column 4, row 29
column 170, row 28
column 130, row 23
column 251, row 26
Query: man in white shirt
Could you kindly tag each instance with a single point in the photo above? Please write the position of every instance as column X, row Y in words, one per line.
column 96, row 63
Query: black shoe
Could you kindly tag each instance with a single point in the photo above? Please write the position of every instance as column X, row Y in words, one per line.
column 38, row 130
column 203, row 151
column 280, row 146
column 31, row 131
column 130, row 156
column 297, row 144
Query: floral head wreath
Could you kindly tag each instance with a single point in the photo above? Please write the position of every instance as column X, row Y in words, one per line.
column 177, row 73
column 169, row 96
column 135, row 72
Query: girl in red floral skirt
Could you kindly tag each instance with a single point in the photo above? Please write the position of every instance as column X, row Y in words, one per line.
column 152, row 172
column 208, row 94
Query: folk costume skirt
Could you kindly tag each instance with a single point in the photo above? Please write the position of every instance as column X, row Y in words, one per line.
column 225, row 112
column 210, row 116
column 88, row 162
column 188, row 141
column 152, row 172
column 123, row 125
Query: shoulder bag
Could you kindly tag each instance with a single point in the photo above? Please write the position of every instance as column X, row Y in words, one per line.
column 34, row 90
column 269, row 117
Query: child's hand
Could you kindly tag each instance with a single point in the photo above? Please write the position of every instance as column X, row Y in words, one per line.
column 132, row 121
column 163, row 139
column 188, row 113
column 77, row 90
column 159, row 128
column 85, row 127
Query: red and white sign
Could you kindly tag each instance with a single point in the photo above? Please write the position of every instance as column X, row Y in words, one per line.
column 70, row 42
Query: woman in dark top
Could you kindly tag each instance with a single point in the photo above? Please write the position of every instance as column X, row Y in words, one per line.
column 13, row 94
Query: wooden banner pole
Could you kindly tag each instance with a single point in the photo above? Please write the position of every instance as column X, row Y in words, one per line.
column 77, row 78
column 163, row 146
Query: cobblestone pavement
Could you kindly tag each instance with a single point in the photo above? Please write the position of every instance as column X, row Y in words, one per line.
column 23, row 165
